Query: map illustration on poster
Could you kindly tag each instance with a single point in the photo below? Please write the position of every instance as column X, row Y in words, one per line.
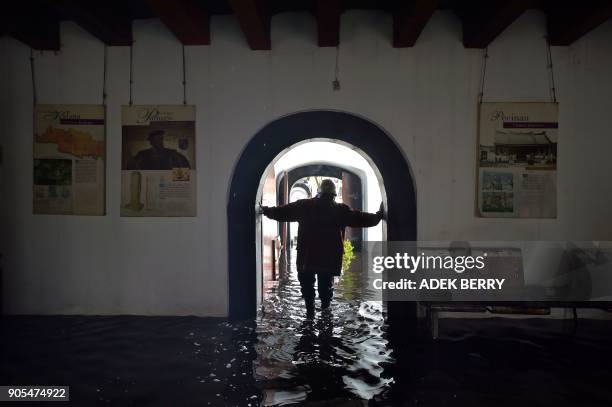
column 69, row 159
column 158, row 163
column 517, row 160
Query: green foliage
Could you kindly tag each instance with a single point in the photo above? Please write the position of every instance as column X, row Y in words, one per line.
column 348, row 255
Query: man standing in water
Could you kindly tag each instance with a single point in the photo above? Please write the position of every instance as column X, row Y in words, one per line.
column 320, row 242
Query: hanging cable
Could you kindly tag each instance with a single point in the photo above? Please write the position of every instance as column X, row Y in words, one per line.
column 336, row 82
column 34, row 96
column 131, row 73
column 551, row 73
column 104, row 74
column 184, row 79
column 483, row 73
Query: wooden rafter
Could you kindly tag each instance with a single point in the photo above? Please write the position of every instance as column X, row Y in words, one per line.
column 485, row 20
column 36, row 25
column 569, row 22
column 187, row 19
column 108, row 23
column 328, row 14
column 254, row 21
column 409, row 21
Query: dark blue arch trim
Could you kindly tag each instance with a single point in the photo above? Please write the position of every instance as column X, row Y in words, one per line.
column 265, row 146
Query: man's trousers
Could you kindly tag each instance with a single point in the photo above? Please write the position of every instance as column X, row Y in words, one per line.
column 325, row 282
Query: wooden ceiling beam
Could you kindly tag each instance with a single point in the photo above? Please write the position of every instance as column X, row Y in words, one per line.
column 254, row 21
column 111, row 25
column 36, row 25
column 567, row 22
column 44, row 36
column 486, row 20
column 187, row 19
column 328, row 14
column 410, row 20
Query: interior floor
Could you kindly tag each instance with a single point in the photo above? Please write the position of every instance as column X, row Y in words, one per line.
column 280, row 358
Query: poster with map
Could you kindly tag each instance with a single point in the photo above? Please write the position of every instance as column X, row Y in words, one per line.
column 69, row 159
column 158, row 165
column 517, row 160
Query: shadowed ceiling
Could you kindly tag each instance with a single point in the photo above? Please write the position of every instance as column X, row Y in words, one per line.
column 36, row 22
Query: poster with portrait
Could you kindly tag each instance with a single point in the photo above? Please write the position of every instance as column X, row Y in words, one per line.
column 69, row 159
column 517, row 160
column 158, row 167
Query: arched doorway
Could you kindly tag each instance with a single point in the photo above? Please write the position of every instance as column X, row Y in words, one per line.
column 267, row 144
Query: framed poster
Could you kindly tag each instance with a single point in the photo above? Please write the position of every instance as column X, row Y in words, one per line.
column 69, row 159
column 158, row 161
column 517, row 160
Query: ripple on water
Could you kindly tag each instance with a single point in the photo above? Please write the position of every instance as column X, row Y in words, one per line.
column 336, row 355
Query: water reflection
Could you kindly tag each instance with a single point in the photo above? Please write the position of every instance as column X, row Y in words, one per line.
column 338, row 355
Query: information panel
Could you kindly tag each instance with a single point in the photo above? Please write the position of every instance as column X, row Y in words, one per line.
column 69, row 157
column 158, row 169
column 517, row 160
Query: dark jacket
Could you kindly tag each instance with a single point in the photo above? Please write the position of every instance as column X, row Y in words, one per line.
column 320, row 235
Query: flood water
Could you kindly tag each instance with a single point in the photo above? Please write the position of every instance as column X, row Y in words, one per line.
column 338, row 355
column 337, row 359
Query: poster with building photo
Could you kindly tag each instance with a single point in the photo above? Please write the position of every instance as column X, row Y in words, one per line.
column 517, row 160
column 69, row 156
column 158, row 168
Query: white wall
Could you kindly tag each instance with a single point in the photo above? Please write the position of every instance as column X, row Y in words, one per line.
column 425, row 97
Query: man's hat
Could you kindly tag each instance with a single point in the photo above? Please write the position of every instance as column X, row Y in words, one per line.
column 327, row 187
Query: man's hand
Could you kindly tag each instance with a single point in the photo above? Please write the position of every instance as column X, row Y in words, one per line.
column 263, row 210
column 381, row 212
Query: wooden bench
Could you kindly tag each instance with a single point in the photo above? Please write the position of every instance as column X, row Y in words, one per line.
column 573, row 260
column 432, row 309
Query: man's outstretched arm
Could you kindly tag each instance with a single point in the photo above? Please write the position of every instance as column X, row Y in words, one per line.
column 358, row 219
column 285, row 213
